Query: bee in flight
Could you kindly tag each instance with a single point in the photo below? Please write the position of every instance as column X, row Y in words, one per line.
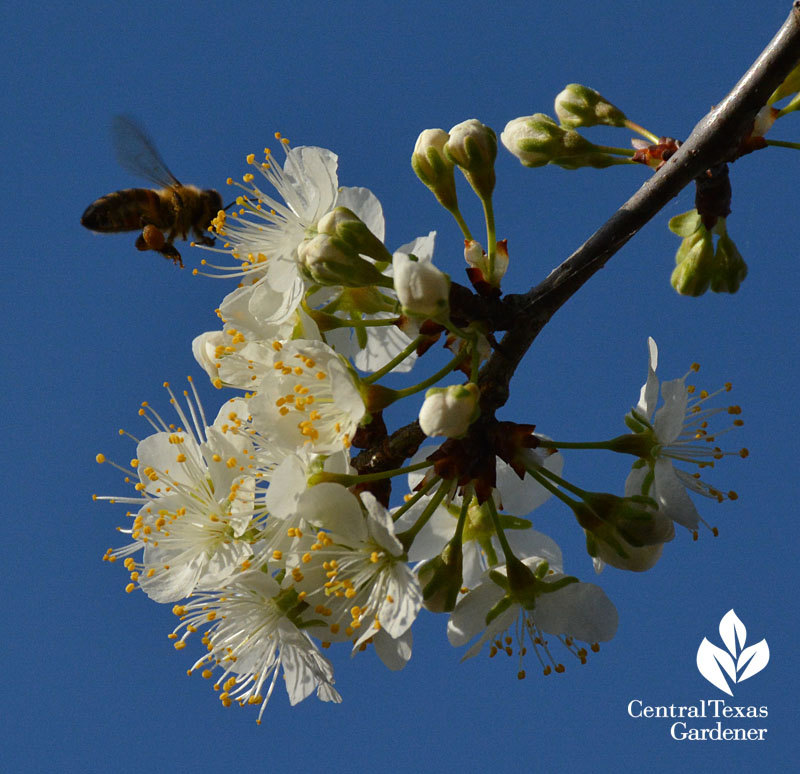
column 162, row 214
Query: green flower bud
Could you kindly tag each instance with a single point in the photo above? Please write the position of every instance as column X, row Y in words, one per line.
column 695, row 264
column 473, row 147
column 579, row 105
column 535, row 140
column 434, row 168
column 538, row 140
column 441, row 578
column 626, row 532
column 354, row 233
column 523, row 585
column 329, row 261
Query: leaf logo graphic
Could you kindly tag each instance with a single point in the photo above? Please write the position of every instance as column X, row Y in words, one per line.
column 737, row 662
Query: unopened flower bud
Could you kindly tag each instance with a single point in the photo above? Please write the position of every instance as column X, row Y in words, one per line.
column 534, row 140
column 473, row 147
column 422, row 289
column 538, row 140
column 346, row 226
column 695, row 264
column 441, row 578
column 729, row 267
column 434, row 168
column 579, row 105
column 449, row 411
column 626, row 532
column 329, row 261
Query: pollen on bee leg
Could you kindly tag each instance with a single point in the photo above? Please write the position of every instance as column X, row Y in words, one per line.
column 153, row 237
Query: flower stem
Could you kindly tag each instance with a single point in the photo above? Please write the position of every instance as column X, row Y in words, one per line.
column 501, row 535
column 395, row 361
column 416, row 497
column 407, row 537
column 784, row 144
column 491, row 236
column 440, row 374
column 634, row 127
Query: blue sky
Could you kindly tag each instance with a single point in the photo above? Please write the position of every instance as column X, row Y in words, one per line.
column 92, row 683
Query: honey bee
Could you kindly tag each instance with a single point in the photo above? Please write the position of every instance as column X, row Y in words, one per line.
column 162, row 214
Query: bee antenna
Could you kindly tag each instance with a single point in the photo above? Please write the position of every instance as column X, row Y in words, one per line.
column 228, row 206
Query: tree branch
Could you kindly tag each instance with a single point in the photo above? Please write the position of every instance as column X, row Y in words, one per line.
column 714, row 140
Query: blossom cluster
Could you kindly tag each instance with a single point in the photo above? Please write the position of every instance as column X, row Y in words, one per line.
column 274, row 539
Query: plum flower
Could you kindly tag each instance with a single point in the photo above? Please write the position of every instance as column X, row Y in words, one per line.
column 251, row 636
column 354, row 573
column 678, row 433
column 199, row 504
column 264, row 233
column 552, row 603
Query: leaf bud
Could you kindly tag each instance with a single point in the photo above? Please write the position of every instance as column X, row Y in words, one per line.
column 695, row 264
column 729, row 267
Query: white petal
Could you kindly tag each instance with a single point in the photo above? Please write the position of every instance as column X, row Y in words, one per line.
column 287, row 484
column 394, row 652
column 529, row 543
column 403, row 589
column 334, row 508
column 273, row 305
column 649, row 392
column 431, row 539
column 366, row 205
column 635, row 482
column 520, row 496
column 581, row 610
column 672, row 497
column 669, row 419
column 380, row 525
column 422, row 247
column 469, row 616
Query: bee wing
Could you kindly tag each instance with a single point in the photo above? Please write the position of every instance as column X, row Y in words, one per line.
column 137, row 153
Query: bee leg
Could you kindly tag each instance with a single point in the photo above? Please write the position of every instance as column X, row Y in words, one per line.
column 153, row 238
column 169, row 251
